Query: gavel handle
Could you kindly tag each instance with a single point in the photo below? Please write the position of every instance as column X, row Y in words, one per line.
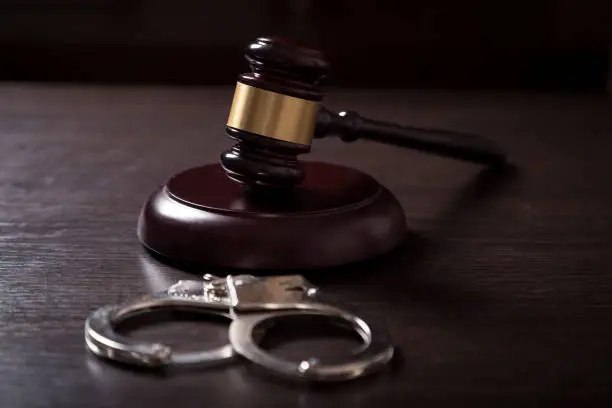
column 350, row 126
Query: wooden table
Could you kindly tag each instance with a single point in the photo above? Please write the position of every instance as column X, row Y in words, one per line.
column 502, row 295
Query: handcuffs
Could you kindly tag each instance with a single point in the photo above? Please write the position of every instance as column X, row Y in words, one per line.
column 249, row 302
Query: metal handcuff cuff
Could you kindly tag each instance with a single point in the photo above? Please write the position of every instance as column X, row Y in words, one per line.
column 249, row 302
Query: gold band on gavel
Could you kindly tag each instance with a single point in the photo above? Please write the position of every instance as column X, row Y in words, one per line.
column 272, row 114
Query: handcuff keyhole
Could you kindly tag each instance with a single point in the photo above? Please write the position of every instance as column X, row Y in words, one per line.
column 302, row 289
column 303, row 337
column 299, row 289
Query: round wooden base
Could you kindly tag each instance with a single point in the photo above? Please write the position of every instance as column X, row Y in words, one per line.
column 337, row 215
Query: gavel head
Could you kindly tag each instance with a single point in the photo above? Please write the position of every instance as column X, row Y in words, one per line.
column 273, row 113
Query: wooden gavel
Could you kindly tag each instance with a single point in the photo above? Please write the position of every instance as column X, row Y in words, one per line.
column 276, row 113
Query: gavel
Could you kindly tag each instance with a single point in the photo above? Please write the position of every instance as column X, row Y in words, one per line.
column 276, row 114
column 258, row 207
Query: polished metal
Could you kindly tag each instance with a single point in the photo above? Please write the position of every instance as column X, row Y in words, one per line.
column 251, row 304
column 102, row 339
column 272, row 114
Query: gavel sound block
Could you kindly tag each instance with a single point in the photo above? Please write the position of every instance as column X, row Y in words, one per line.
column 259, row 207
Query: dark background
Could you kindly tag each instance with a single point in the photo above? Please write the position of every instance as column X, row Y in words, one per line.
column 502, row 295
column 545, row 44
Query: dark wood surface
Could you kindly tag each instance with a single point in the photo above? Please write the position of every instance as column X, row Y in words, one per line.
column 502, row 296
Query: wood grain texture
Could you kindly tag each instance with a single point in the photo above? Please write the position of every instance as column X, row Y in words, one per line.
column 502, row 296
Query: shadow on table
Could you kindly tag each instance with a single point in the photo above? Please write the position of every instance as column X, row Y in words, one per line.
column 397, row 270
